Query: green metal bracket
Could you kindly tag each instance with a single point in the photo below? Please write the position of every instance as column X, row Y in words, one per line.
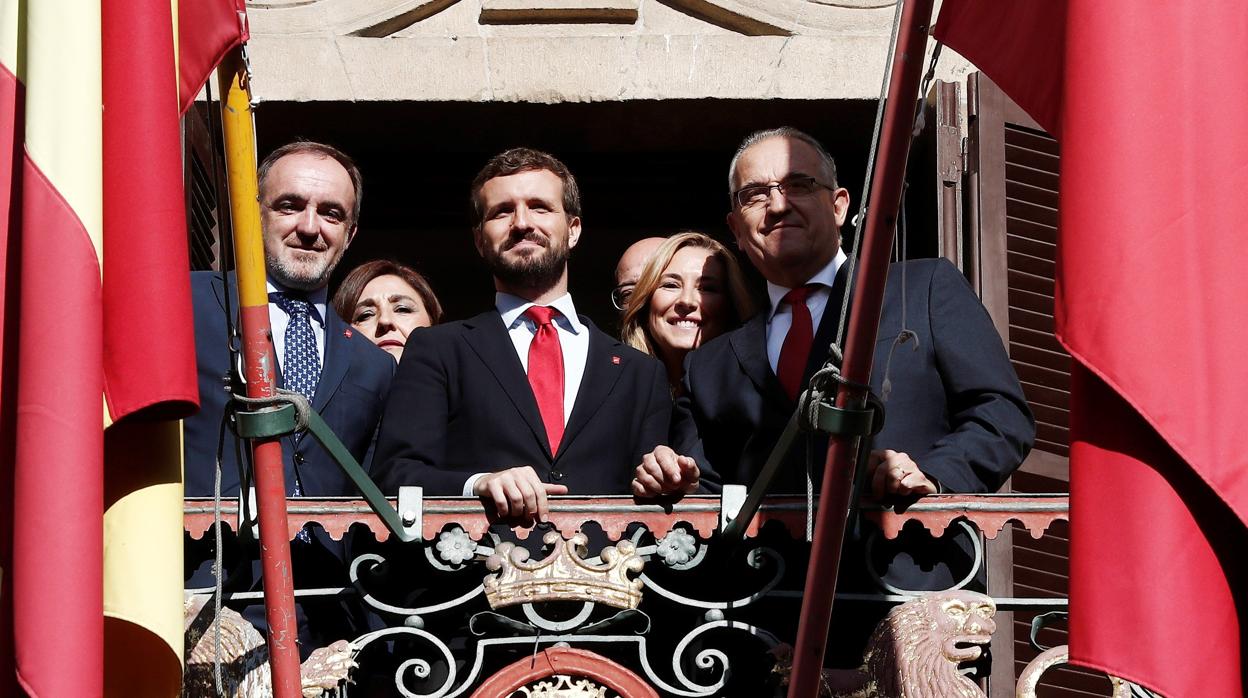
column 372, row 494
column 266, row 422
column 847, row 422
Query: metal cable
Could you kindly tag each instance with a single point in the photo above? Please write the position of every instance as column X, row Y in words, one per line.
column 852, row 259
column 858, row 220
column 218, row 561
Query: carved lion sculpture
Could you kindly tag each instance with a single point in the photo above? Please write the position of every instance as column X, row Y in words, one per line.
column 245, row 658
column 915, row 651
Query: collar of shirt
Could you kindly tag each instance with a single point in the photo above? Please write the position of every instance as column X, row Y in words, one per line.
column 779, row 320
column 825, row 276
column 278, row 321
column 317, row 298
column 573, row 340
column 512, row 309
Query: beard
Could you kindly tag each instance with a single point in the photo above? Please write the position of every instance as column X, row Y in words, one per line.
column 539, row 270
column 300, row 275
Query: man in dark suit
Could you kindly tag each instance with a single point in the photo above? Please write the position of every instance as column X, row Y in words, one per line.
column 309, row 209
column 527, row 399
column 956, row 419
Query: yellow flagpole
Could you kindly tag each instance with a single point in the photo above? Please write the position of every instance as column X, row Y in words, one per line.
column 259, row 369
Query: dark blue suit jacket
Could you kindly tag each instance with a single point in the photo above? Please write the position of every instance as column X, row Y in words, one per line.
column 953, row 404
column 953, row 401
column 462, row 404
column 355, row 380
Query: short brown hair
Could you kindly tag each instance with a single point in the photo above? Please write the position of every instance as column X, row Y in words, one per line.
column 349, row 291
column 321, row 150
column 634, row 325
column 518, row 160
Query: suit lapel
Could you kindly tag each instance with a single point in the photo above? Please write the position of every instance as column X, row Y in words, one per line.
column 601, row 374
column 489, row 339
column 828, row 324
column 750, row 345
column 218, row 289
column 335, row 360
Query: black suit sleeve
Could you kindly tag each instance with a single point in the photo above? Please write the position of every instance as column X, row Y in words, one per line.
column 411, row 440
column 991, row 427
column 684, row 436
column 657, row 415
column 370, row 454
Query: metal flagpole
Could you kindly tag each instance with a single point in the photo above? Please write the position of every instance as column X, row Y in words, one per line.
column 259, row 368
column 881, row 213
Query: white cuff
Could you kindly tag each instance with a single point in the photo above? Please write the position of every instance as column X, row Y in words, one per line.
column 472, row 483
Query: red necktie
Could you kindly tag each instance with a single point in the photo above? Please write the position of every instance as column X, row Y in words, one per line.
column 796, row 348
column 546, row 372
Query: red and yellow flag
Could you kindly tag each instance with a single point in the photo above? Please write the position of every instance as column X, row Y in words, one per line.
column 1148, row 101
column 96, row 339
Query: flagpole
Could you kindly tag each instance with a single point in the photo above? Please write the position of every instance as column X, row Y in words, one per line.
column 253, row 300
column 877, row 242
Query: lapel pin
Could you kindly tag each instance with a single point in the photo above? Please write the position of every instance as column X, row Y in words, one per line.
column 615, row 360
column 347, row 333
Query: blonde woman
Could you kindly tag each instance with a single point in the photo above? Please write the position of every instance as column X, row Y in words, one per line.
column 690, row 291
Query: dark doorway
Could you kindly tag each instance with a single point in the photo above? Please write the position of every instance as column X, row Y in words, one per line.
column 645, row 168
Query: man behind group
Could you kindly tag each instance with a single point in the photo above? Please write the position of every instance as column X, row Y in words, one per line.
column 628, row 269
column 309, row 211
column 956, row 417
column 528, row 399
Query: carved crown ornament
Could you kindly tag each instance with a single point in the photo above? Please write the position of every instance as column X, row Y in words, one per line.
column 564, row 575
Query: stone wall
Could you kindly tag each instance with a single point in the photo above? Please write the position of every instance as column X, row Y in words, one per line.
column 554, row 51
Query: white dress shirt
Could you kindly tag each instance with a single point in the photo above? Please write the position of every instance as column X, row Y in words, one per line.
column 278, row 319
column 781, row 316
column 573, row 340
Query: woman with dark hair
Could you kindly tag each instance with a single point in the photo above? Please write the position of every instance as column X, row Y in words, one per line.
column 690, row 291
column 386, row 301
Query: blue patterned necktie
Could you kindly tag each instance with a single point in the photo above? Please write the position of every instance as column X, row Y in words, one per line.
column 301, row 364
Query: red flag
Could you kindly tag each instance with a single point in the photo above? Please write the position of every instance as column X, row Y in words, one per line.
column 207, row 29
column 95, row 326
column 1151, row 303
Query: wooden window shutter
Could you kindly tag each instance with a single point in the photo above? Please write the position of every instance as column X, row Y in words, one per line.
column 206, row 220
column 1009, row 254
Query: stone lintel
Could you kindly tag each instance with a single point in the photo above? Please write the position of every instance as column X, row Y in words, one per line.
column 559, row 11
column 572, row 69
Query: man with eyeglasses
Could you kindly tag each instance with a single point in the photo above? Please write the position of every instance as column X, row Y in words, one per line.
column 956, row 420
column 628, row 271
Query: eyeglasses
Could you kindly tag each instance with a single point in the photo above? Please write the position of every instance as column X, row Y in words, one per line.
column 757, row 195
column 621, row 293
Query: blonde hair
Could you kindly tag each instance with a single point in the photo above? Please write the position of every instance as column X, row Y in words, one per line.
column 634, row 326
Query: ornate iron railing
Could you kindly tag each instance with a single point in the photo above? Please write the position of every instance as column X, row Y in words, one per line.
column 631, row 594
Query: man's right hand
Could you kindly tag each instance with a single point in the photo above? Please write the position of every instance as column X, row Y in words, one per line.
column 518, row 494
column 663, row 472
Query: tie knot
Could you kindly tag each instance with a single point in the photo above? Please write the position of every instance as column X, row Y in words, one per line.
column 291, row 305
column 800, row 294
column 541, row 314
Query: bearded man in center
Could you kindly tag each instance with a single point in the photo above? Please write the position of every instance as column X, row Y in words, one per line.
column 527, row 399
